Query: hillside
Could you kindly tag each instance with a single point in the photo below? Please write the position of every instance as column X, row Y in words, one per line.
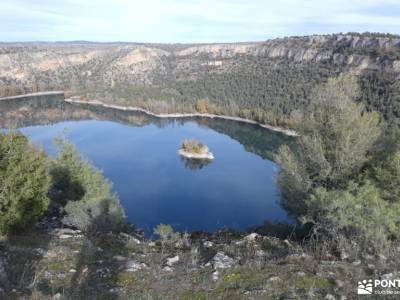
column 265, row 81
column 67, row 264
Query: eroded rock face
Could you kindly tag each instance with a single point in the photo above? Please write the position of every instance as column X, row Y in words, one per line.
column 218, row 50
column 141, row 55
column 31, row 67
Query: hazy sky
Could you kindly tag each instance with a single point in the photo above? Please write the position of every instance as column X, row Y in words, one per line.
column 190, row 20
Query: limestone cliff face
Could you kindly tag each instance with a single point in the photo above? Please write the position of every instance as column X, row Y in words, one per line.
column 28, row 67
column 313, row 48
column 31, row 67
column 327, row 47
column 217, row 50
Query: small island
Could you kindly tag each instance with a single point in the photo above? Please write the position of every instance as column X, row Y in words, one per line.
column 193, row 149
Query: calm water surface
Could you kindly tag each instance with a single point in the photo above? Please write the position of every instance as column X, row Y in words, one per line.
column 155, row 185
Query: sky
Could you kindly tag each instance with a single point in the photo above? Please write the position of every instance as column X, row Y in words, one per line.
column 191, row 21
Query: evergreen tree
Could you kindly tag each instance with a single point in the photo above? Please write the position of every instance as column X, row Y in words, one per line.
column 335, row 137
column 24, row 183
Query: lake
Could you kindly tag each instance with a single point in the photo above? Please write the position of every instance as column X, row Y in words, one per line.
column 138, row 154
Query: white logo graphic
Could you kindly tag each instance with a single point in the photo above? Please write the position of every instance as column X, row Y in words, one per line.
column 365, row 287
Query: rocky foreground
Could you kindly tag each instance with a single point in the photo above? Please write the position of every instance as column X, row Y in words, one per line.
column 62, row 263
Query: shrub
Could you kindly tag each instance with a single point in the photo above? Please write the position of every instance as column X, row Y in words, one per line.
column 74, row 178
column 95, row 215
column 335, row 138
column 85, row 193
column 387, row 176
column 193, row 146
column 203, row 106
column 24, row 183
column 170, row 238
column 164, row 231
column 358, row 213
column 327, row 180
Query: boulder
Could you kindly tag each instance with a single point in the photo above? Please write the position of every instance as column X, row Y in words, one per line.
column 133, row 266
column 172, row 260
column 222, row 261
column 252, row 237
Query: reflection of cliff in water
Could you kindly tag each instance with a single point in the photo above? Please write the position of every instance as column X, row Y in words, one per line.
column 51, row 109
column 195, row 164
column 254, row 138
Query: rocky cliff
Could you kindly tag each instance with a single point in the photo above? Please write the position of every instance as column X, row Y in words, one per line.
column 276, row 75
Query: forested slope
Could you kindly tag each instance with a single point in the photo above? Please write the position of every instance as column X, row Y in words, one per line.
column 266, row 81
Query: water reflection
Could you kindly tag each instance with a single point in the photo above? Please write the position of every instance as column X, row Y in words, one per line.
column 25, row 112
column 195, row 164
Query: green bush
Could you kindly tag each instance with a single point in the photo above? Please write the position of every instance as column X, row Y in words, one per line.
column 337, row 179
column 169, row 238
column 86, row 195
column 95, row 214
column 358, row 213
column 24, row 183
column 164, row 231
column 335, row 138
column 387, row 176
column 74, row 178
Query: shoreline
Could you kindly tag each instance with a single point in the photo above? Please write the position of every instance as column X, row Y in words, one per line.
column 39, row 94
column 287, row 132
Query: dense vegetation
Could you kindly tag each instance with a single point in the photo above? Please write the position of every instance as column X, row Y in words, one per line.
column 24, row 183
column 342, row 179
column 260, row 88
column 269, row 89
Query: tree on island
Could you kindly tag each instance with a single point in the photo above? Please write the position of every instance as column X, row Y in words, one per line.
column 194, row 146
